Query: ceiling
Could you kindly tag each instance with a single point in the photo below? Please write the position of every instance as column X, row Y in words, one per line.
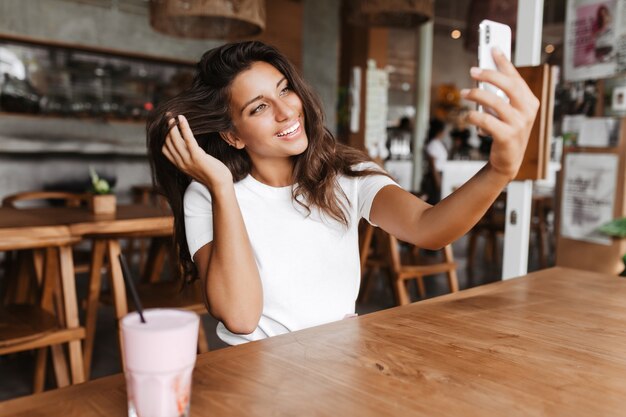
column 449, row 14
column 452, row 14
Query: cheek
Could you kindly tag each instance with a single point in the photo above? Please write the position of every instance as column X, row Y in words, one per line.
column 295, row 102
column 256, row 128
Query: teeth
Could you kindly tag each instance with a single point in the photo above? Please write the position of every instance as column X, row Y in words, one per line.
column 290, row 131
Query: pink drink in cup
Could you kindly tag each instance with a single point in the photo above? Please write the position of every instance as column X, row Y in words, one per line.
column 159, row 357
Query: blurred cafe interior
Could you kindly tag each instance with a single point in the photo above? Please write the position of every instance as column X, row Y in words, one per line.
column 508, row 318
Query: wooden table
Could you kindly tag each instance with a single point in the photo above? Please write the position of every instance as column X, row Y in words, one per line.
column 105, row 230
column 550, row 343
column 19, row 333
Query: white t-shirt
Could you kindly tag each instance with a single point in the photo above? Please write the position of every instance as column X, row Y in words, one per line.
column 309, row 265
column 437, row 150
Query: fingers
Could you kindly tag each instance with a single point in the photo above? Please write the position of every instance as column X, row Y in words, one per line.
column 504, row 65
column 512, row 85
column 488, row 99
column 508, row 79
column 185, row 130
column 176, row 144
column 168, row 154
column 488, row 123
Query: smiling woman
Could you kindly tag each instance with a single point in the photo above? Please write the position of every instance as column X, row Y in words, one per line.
column 233, row 154
column 267, row 203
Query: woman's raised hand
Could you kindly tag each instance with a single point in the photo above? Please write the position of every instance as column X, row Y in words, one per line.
column 182, row 150
column 511, row 129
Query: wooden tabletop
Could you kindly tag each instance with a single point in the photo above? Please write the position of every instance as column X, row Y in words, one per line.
column 550, row 343
column 80, row 221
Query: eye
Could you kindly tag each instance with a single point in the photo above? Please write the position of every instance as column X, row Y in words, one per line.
column 258, row 108
column 285, row 90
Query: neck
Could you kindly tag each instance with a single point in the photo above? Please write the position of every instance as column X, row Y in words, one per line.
column 275, row 173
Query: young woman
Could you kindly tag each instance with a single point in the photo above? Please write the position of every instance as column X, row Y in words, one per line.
column 267, row 203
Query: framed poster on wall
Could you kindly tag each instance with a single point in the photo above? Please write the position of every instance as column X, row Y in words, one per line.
column 589, row 187
column 595, row 39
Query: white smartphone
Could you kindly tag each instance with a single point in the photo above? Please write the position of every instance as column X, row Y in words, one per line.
column 492, row 34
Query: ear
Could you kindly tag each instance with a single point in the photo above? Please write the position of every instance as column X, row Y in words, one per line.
column 232, row 139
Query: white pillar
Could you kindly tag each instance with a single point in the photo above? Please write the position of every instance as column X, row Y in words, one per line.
column 520, row 193
column 422, row 96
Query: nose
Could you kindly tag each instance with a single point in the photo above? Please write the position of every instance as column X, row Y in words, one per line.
column 284, row 111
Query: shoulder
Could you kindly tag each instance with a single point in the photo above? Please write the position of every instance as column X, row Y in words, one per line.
column 197, row 198
column 196, row 190
column 368, row 166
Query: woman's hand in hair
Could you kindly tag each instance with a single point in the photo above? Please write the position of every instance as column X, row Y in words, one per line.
column 511, row 128
column 182, row 150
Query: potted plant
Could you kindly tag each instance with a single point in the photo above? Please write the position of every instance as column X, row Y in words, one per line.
column 616, row 228
column 102, row 199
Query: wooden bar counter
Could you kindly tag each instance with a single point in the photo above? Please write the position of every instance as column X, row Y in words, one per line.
column 550, row 343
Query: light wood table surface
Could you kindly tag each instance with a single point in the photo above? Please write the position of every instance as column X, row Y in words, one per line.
column 550, row 343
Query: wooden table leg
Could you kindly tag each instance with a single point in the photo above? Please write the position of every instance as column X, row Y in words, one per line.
column 117, row 279
column 68, row 283
column 93, row 295
column 118, row 288
column 49, row 277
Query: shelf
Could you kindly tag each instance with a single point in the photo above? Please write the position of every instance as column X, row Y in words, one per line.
column 25, row 134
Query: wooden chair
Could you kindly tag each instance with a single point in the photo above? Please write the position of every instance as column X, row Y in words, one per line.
column 386, row 255
column 52, row 321
column 492, row 226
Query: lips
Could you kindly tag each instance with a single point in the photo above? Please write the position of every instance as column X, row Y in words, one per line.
column 290, row 131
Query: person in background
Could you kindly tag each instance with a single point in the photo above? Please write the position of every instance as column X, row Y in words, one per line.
column 267, row 203
column 435, row 155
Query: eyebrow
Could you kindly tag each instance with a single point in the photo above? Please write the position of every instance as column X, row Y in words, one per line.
column 260, row 97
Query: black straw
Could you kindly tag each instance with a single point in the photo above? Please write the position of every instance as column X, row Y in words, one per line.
column 131, row 286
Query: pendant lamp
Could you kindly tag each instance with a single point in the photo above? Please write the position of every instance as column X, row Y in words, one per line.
column 390, row 13
column 208, row 19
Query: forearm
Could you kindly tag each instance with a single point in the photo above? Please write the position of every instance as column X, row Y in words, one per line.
column 233, row 284
column 454, row 216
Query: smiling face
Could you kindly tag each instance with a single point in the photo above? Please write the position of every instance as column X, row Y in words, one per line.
column 267, row 115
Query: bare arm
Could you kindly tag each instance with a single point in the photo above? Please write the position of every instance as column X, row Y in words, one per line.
column 412, row 220
column 231, row 277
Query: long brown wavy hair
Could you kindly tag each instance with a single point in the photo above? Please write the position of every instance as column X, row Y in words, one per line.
column 206, row 105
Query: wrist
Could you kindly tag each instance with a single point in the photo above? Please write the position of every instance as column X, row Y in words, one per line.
column 501, row 177
column 222, row 189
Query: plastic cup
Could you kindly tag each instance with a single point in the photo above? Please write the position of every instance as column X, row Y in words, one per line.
column 159, row 357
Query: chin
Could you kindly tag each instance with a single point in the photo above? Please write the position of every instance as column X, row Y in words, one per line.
column 302, row 147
